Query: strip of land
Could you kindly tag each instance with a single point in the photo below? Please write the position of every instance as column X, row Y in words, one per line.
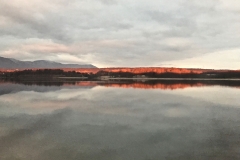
column 187, row 79
column 125, row 74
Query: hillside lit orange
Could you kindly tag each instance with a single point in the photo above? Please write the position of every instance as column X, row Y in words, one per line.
column 138, row 70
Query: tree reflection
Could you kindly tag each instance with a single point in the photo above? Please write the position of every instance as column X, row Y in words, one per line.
column 154, row 84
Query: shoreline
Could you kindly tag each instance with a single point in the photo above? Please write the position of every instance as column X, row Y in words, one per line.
column 187, row 79
column 124, row 78
column 70, row 77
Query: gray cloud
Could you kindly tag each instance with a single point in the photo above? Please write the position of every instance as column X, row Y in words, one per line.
column 118, row 33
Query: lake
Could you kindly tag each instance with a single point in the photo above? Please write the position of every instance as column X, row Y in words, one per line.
column 119, row 121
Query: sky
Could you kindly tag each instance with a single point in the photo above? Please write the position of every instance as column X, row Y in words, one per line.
column 123, row 33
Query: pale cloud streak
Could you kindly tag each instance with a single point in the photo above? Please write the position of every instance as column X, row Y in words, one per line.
column 227, row 59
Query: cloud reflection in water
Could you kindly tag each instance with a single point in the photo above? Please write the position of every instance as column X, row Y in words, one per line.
column 117, row 123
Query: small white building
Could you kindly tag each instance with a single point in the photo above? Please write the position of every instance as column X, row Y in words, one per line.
column 139, row 76
column 104, row 77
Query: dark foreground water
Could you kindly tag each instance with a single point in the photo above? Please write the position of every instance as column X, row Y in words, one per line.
column 88, row 121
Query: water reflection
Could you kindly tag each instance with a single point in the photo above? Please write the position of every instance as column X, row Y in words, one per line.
column 159, row 84
column 88, row 120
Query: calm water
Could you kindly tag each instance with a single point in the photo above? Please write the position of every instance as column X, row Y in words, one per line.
column 88, row 121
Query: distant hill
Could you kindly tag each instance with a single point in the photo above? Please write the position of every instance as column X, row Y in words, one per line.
column 9, row 63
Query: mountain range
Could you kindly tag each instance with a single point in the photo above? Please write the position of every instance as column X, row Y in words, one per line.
column 9, row 63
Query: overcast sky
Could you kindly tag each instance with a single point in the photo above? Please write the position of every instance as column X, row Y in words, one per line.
column 131, row 33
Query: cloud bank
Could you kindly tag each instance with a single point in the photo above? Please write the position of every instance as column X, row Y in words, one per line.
column 122, row 33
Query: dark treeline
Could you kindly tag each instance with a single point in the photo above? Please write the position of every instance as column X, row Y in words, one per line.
column 41, row 74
